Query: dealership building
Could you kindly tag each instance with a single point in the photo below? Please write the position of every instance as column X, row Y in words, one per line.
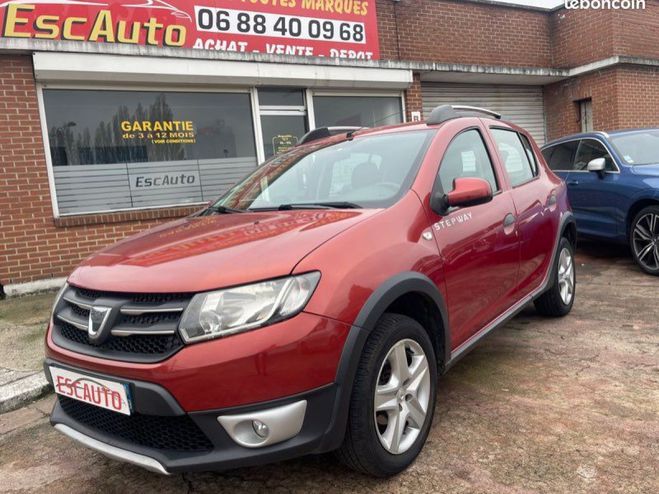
column 119, row 115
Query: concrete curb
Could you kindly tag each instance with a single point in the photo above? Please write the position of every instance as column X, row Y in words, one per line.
column 24, row 389
column 33, row 287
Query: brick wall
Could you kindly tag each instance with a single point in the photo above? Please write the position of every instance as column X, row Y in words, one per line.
column 637, row 31
column 413, row 98
column 582, row 36
column 463, row 32
column 481, row 33
column 32, row 245
column 638, row 97
column 623, row 97
column 562, row 112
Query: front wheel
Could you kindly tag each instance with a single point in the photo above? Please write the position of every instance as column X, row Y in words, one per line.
column 393, row 398
column 644, row 240
column 557, row 301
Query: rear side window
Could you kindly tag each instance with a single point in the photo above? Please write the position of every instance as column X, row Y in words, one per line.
column 561, row 156
column 466, row 156
column 514, row 156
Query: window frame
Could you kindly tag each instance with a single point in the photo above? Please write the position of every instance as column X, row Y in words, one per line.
column 579, row 139
column 535, row 168
column 606, row 148
column 40, row 87
column 534, row 172
column 437, row 185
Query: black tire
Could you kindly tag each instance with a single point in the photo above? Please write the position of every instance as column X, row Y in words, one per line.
column 641, row 238
column 361, row 449
column 551, row 303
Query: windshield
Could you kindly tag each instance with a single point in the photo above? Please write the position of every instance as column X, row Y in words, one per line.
column 366, row 172
column 638, row 148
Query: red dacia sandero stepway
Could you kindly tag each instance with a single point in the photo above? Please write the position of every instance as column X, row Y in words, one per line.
column 313, row 307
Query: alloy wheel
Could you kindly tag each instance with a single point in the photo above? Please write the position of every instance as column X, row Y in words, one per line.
column 402, row 396
column 566, row 276
column 645, row 240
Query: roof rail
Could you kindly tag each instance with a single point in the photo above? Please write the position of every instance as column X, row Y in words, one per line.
column 322, row 132
column 449, row 112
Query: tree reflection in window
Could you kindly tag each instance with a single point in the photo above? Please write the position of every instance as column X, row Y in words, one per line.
column 85, row 130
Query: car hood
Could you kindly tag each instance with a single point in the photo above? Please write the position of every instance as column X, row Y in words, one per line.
column 646, row 170
column 207, row 252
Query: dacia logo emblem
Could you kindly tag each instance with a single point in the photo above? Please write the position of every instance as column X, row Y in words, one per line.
column 98, row 317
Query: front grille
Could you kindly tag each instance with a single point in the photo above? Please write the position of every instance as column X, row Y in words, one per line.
column 146, row 298
column 135, row 344
column 143, row 327
column 152, row 431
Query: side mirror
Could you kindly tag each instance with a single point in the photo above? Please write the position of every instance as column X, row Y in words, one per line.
column 466, row 192
column 598, row 165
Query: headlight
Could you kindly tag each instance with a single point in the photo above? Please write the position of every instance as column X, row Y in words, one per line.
column 234, row 310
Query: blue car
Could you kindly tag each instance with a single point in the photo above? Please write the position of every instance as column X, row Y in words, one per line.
column 613, row 185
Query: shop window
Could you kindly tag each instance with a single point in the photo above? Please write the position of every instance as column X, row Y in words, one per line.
column 116, row 150
column 283, row 97
column 358, row 111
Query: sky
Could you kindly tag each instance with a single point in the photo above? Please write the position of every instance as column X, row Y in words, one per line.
column 548, row 4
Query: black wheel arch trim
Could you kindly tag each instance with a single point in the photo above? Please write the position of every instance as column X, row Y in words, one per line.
column 567, row 220
column 375, row 306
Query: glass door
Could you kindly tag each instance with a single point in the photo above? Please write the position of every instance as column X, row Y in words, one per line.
column 283, row 115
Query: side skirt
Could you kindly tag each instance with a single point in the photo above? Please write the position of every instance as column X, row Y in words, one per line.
column 468, row 345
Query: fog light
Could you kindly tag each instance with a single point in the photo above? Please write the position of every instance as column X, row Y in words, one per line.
column 260, row 428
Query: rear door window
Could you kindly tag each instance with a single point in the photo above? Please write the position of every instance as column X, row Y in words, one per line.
column 515, row 159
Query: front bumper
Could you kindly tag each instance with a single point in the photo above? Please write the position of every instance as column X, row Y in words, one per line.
column 148, row 438
column 284, row 359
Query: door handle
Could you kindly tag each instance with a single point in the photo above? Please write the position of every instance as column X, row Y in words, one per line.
column 572, row 183
column 509, row 220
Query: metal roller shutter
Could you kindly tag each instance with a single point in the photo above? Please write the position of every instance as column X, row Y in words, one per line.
column 521, row 105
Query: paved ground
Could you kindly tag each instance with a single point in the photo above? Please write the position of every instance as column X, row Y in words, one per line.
column 567, row 405
column 22, row 324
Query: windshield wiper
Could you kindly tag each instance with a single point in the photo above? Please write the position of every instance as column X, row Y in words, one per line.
column 224, row 209
column 319, row 205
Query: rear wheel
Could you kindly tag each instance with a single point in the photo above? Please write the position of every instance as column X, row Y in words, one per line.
column 393, row 398
column 557, row 301
column 644, row 240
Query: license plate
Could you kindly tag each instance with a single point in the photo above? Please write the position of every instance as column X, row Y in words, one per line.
column 93, row 390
